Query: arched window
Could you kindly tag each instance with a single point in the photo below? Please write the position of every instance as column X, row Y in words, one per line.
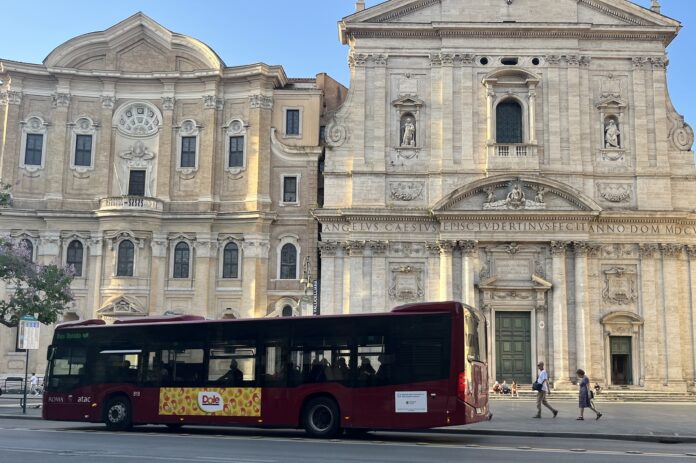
column 288, row 262
column 28, row 248
column 230, row 261
column 181, row 260
column 287, row 311
column 126, row 255
column 74, row 257
column 508, row 122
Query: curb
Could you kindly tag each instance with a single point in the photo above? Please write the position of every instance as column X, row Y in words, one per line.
column 653, row 438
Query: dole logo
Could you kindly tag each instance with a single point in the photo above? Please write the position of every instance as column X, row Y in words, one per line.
column 210, row 401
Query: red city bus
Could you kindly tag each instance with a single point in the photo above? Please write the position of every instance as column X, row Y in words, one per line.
column 418, row 366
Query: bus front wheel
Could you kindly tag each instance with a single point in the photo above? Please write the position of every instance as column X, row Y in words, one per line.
column 117, row 415
column 321, row 418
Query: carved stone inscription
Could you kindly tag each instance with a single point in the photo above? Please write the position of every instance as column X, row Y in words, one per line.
column 406, row 283
column 620, row 285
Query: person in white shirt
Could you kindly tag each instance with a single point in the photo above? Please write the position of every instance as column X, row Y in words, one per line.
column 543, row 379
column 34, row 382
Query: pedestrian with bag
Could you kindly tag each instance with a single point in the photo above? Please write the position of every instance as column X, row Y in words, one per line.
column 585, row 395
column 541, row 385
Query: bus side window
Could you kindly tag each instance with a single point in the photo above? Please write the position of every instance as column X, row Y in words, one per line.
column 232, row 364
column 186, row 366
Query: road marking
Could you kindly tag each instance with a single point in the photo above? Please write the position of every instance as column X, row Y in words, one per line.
column 400, row 443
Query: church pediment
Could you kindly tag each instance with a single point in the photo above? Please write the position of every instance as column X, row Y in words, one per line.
column 136, row 44
column 516, row 194
column 121, row 306
column 452, row 14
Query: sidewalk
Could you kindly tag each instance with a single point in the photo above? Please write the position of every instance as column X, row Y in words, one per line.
column 10, row 406
column 652, row 422
column 646, row 422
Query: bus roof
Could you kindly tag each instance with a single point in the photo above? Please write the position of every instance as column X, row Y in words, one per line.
column 420, row 307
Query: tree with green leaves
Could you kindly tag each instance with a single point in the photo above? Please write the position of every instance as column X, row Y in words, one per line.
column 30, row 288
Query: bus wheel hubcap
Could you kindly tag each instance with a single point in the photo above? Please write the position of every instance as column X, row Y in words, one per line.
column 117, row 413
column 322, row 418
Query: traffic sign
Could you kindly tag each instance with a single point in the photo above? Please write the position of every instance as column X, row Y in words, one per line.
column 29, row 329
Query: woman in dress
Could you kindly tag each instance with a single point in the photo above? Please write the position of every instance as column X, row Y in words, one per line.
column 584, row 396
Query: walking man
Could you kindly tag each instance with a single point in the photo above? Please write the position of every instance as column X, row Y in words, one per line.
column 543, row 380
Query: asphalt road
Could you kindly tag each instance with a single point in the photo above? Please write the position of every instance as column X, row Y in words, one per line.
column 54, row 442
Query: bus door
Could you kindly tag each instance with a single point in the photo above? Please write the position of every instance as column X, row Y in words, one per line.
column 475, row 365
column 66, row 385
column 373, row 398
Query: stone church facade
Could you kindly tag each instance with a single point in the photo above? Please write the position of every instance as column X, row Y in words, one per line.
column 524, row 157
column 171, row 182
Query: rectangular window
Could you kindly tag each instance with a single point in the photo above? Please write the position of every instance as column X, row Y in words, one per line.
column 83, row 150
column 236, row 158
column 188, row 152
column 136, row 183
column 292, row 122
column 32, row 155
column 233, row 364
column 178, row 367
column 289, row 189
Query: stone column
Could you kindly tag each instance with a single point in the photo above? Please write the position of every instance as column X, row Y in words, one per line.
column 158, row 273
column 581, row 287
column 691, row 251
column 378, row 250
column 167, row 155
column 490, row 100
column 327, row 250
column 446, row 286
column 651, row 331
column 436, row 114
column 671, row 253
column 204, row 272
column 469, row 249
column 447, row 110
column 433, row 289
column 532, row 113
column 96, row 268
column 357, row 279
column 254, row 276
column 560, row 373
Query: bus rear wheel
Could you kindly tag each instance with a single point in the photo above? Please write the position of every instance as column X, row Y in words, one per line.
column 117, row 415
column 320, row 417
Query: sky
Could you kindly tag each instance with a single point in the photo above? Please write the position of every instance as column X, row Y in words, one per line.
column 300, row 35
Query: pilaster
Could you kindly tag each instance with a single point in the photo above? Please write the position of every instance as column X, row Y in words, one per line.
column 378, row 261
column 581, row 289
column 258, row 167
column 560, row 373
column 56, row 144
column 207, row 157
column 469, row 250
column 671, row 254
column 327, row 250
column 254, row 276
column 691, row 252
column 446, row 253
column 357, row 278
column 158, row 273
column 654, row 353
column 206, row 247
column 167, row 155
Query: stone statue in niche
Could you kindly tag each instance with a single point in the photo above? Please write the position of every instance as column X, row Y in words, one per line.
column 408, row 130
column 611, row 135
